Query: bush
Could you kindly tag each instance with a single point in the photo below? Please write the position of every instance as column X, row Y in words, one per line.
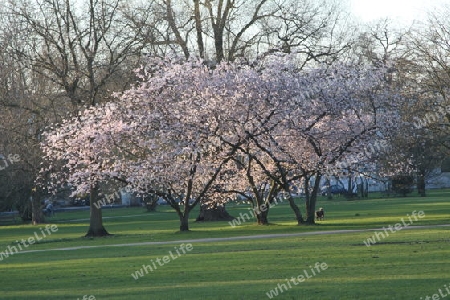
column 402, row 184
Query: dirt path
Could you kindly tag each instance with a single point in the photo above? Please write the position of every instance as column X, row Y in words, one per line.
column 236, row 238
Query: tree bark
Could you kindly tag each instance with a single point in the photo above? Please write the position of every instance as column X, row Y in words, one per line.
column 216, row 213
column 261, row 217
column 151, row 206
column 37, row 217
column 198, row 28
column 296, row 209
column 96, row 228
column 173, row 26
column 311, row 199
column 184, row 221
column 328, row 184
column 310, row 213
column 151, row 202
column 365, row 185
column 421, row 185
column 350, row 185
column 218, row 24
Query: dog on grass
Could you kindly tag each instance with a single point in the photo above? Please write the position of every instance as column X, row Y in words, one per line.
column 320, row 214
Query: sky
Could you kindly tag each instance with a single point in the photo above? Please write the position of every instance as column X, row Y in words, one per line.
column 403, row 11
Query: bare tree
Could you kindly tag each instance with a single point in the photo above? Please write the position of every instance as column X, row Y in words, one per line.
column 228, row 29
column 380, row 44
column 23, row 112
column 416, row 59
column 430, row 48
column 79, row 49
column 83, row 50
column 314, row 29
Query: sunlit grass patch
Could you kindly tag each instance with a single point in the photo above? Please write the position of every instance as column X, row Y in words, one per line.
column 407, row 264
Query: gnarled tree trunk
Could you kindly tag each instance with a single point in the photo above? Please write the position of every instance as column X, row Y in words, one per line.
column 184, row 221
column 296, row 209
column 215, row 213
column 262, row 218
column 96, row 228
column 311, row 199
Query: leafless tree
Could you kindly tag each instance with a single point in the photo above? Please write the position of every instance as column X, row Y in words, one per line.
column 229, row 29
column 82, row 51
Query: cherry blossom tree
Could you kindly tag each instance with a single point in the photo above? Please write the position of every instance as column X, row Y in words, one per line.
column 354, row 110
column 321, row 123
column 189, row 133
column 160, row 137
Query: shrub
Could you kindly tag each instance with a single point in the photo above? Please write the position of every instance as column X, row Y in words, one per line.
column 402, row 184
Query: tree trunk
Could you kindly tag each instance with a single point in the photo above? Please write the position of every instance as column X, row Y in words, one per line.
column 328, row 184
column 218, row 42
column 311, row 199
column 96, row 228
column 37, row 217
column 311, row 219
column 151, row 202
column 198, row 28
column 151, row 206
column 366, row 188
column 171, row 20
column 184, row 221
column 421, row 185
column 183, row 215
column 262, row 218
column 296, row 209
column 215, row 213
column 311, row 209
column 349, row 185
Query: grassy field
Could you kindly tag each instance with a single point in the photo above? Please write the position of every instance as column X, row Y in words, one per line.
column 404, row 264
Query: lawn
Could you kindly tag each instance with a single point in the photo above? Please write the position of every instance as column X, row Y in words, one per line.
column 404, row 264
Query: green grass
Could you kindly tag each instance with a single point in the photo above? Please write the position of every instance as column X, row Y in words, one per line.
column 407, row 264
